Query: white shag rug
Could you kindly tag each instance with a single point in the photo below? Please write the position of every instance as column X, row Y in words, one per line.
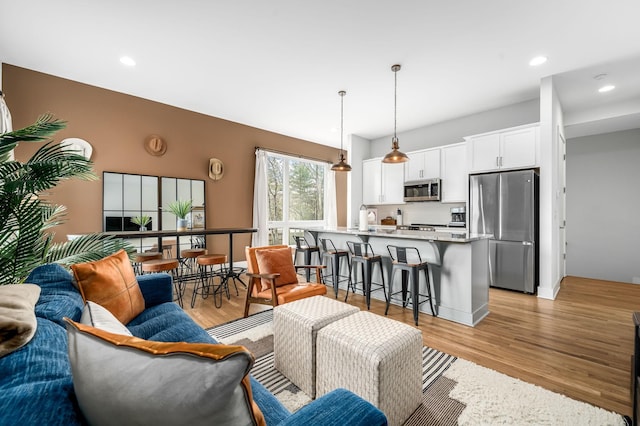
column 493, row 398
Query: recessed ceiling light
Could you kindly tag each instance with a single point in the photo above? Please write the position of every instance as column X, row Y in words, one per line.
column 538, row 60
column 607, row 88
column 128, row 61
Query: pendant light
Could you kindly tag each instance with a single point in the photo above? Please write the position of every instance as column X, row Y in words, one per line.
column 395, row 156
column 341, row 165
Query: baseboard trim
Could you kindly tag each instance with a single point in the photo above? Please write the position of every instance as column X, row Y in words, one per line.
column 549, row 292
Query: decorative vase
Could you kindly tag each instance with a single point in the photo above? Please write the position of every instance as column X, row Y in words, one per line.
column 181, row 224
column 143, row 228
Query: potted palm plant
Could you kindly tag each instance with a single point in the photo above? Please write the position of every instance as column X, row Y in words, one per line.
column 27, row 219
column 142, row 221
column 181, row 208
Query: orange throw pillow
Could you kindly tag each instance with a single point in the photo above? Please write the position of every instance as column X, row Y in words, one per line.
column 276, row 261
column 111, row 283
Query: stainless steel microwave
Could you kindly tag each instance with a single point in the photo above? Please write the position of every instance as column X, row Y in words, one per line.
column 422, row 190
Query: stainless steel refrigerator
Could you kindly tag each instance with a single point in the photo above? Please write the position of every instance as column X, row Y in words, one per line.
column 506, row 205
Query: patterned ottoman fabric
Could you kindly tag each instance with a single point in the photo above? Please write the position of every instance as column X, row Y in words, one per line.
column 375, row 357
column 295, row 326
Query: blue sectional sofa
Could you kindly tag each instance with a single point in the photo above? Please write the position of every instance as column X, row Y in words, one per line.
column 36, row 386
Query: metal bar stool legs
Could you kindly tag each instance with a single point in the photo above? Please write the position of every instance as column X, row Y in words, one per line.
column 188, row 259
column 332, row 255
column 407, row 260
column 205, row 283
column 307, row 250
column 362, row 254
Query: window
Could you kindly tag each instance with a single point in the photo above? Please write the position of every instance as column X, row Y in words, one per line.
column 296, row 196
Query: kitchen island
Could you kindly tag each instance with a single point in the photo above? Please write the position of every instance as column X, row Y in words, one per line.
column 459, row 266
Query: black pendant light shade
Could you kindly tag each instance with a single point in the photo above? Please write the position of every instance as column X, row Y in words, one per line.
column 395, row 156
column 341, row 165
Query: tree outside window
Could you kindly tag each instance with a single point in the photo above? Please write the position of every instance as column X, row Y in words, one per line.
column 296, row 196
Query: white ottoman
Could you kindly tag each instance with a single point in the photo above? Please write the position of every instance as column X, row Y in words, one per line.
column 295, row 326
column 375, row 357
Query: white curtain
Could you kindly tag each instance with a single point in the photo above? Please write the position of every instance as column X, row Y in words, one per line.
column 5, row 116
column 330, row 206
column 5, row 119
column 260, row 202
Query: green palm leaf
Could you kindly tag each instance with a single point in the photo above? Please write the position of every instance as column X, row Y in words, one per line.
column 86, row 248
column 44, row 127
column 26, row 220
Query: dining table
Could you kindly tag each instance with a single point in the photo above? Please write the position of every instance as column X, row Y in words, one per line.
column 232, row 273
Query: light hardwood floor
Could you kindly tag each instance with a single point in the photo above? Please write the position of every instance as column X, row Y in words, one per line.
column 579, row 345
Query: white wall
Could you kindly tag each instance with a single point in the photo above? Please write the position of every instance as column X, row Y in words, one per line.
column 551, row 127
column 603, row 200
column 358, row 151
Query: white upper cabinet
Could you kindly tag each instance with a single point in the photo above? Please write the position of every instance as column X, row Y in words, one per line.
column 512, row 148
column 382, row 183
column 392, row 183
column 519, row 148
column 422, row 165
column 454, row 173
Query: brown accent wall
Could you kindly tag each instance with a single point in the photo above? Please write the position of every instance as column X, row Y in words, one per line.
column 116, row 125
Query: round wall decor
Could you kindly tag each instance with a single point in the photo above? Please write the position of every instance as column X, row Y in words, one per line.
column 216, row 169
column 79, row 146
column 155, row 145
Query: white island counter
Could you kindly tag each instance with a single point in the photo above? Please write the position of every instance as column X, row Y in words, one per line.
column 460, row 266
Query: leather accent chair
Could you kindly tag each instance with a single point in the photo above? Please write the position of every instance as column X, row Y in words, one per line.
column 273, row 284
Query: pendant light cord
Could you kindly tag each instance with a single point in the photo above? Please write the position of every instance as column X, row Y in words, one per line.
column 342, row 93
column 395, row 69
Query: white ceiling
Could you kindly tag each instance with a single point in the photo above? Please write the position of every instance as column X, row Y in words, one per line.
column 279, row 64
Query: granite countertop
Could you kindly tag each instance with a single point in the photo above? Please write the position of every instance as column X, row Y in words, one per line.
column 451, row 237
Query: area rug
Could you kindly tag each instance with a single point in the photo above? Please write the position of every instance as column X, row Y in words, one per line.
column 455, row 391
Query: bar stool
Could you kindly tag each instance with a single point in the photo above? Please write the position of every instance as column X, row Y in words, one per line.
column 303, row 246
column 139, row 258
column 188, row 256
column 206, row 274
column 167, row 248
column 408, row 261
column 171, row 266
column 332, row 256
column 362, row 254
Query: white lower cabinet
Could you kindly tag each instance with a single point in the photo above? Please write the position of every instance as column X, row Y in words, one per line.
column 382, row 183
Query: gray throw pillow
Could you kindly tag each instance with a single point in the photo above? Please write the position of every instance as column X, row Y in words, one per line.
column 122, row 379
column 99, row 317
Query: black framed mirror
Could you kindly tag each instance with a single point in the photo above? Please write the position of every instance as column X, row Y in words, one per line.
column 127, row 196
